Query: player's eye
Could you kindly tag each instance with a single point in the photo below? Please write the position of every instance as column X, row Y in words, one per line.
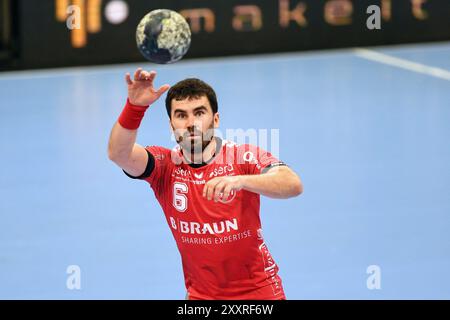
column 181, row 115
column 199, row 113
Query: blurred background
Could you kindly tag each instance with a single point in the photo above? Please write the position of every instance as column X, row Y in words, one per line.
column 35, row 34
column 360, row 98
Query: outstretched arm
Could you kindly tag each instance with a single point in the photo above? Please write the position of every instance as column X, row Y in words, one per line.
column 122, row 147
column 278, row 182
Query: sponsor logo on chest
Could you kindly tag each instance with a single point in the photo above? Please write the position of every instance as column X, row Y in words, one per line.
column 180, row 172
column 225, row 226
column 198, row 178
column 187, row 175
column 222, row 170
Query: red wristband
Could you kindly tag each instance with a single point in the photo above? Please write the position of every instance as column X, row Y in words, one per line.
column 131, row 116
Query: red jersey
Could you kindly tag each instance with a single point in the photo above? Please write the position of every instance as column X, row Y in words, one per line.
column 222, row 249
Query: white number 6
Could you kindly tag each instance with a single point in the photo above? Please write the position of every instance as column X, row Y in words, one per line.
column 179, row 197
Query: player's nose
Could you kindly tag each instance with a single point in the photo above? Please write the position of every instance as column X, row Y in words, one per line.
column 190, row 121
column 193, row 122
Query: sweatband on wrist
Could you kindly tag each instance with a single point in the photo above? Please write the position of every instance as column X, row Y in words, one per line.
column 132, row 115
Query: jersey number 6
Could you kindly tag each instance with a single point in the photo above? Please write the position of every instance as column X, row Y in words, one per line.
column 179, row 196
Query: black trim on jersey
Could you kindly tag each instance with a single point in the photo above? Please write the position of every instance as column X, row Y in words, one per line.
column 197, row 165
column 148, row 169
column 272, row 165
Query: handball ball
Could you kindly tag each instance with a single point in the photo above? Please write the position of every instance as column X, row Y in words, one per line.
column 163, row 36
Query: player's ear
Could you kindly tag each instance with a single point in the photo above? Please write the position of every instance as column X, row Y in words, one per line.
column 216, row 120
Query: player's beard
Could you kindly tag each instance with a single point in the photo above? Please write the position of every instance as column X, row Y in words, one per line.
column 196, row 145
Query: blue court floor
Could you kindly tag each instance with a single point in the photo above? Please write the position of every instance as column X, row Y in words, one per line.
column 367, row 132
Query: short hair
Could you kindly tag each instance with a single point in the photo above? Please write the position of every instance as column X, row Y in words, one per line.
column 191, row 88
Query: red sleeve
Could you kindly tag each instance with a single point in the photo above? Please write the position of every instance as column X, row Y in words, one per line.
column 257, row 160
column 162, row 158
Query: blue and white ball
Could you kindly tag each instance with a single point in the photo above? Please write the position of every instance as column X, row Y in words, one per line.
column 163, row 36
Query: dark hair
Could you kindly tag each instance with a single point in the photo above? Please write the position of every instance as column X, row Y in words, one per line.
column 191, row 88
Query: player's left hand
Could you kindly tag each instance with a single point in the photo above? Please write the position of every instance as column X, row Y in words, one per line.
column 222, row 185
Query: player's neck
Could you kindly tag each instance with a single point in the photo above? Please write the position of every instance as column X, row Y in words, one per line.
column 202, row 158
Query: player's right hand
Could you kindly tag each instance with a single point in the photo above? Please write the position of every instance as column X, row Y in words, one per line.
column 140, row 89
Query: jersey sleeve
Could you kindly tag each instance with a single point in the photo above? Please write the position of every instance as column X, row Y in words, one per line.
column 256, row 160
column 162, row 159
column 155, row 172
